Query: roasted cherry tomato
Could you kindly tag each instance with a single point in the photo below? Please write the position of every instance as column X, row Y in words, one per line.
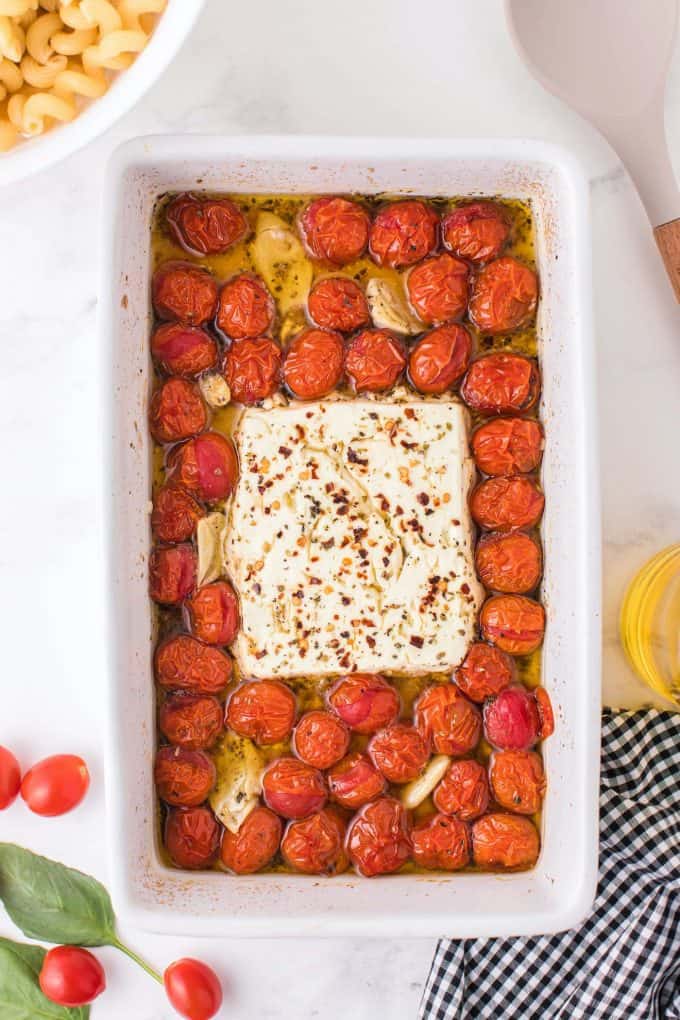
column 374, row 360
column 183, row 350
column 262, row 710
column 10, row 778
column 365, row 702
column 355, row 781
column 182, row 663
column 175, row 514
column 503, row 504
column 545, row 712
column 378, row 839
column 438, row 288
column 214, row 613
column 477, row 232
column 192, row 837
column 441, row 843
column 509, row 563
column 335, row 230
column 511, row 720
column 253, row 369
column 514, row 623
column 206, row 465
column 464, row 790
column 338, row 303
column 172, row 573
column 501, row 384
column 313, row 365
column 315, row 846
column 176, row 411
column 400, row 752
column 504, row 296
column 440, row 358
column 70, row 976
column 183, row 778
column 55, row 785
column 193, row 721
column 508, row 446
column 253, row 846
column 447, row 720
column 403, row 233
column 485, row 671
column 320, row 739
column 193, row 989
column 504, row 841
column 293, row 789
column 184, row 292
column 517, row 780
column 246, row 308
column 206, row 226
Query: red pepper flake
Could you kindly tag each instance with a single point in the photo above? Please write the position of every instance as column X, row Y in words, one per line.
column 285, row 451
column 465, row 588
column 416, row 641
column 260, row 655
column 409, row 412
column 423, row 498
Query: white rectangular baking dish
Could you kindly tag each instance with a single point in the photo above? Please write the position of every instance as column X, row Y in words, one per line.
column 559, row 891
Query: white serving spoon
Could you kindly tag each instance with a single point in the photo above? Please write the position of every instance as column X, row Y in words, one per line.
column 608, row 59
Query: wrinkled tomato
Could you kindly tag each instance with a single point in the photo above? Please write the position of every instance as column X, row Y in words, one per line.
column 338, row 303
column 400, row 752
column 253, row 369
column 365, row 702
column 447, row 720
column 503, row 504
column 485, row 671
column 441, row 843
column 315, row 846
column 335, row 230
column 206, row 226
column 517, row 780
column 504, row 841
column 253, row 846
column 403, row 233
column 440, row 358
column 246, row 308
column 374, row 360
column 183, row 778
column 545, row 712
column 192, row 837
column 185, row 664
column 511, row 720
column 10, row 778
column 214, row 613
column 184, row 292
column 508, row 446
column 172, row 573
column 320, row 739
column 378, row 839
column 504, row 296
column 176, row 411
column 438, row 288
column 293, row 789
column 355, row 781
column 313, row 365
column 464, row 790
column 206, row 465
column 183, row 350
column 509, row 563
column 55, row 785
column 175, row 514
column 514, row 623
column 193, row 721
column 262, row 710
column 477, row 232
column 501, row 384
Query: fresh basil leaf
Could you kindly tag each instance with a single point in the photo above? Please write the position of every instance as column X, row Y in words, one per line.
column 50, row 901
column 32, row 955
column 20, row 995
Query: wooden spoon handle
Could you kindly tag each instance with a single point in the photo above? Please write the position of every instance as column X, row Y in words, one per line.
column 668, row 241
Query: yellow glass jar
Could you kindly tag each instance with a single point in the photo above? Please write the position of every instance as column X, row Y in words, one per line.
column 650, row 623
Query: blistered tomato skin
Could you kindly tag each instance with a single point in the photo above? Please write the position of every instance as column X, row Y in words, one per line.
column 338, row 303
column 508, row 446
column 320, row 739
column 313, row 364
column 253, row 369
column 545, row 712
column 438, row 289
column 192, row 837
column 10, row 778
column 440, row 358
column 71, row 977
column 293, row 789
column 511, row 721
column 514, row 623
column 400, row 752
column 447, row 720
column 365, row 702
column 477, row 231
column 262, row 710
column 464, row 790
column 193, row 721
column 315, row 845
column 335, row 230
column 183, row 778
column 441, row 843
column 501, row 840
column 484, row 672
column 205, row 226
column 55, row 785
column 504, row 504
column 183, row 350
column 504, row 296
column 374, row 360
column 501, row 384
column 517, row 781
column 172, row 574
column 510, row 563
column 207, row 466
column 176, row 411
column 246, row 308
column 184, row 292
column 184, row 664
column 253, row 846
column 193, row 989
column 378, row 839
column 213, row 613
column 175, row 514
column 355, row 781
column 403, row 233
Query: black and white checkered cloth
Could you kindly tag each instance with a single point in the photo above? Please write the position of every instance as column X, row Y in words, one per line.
column 623, row 962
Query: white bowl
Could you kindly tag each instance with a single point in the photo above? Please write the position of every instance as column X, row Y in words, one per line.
column 33, row 154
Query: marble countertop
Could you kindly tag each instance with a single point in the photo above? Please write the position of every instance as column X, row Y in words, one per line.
column 374, row 69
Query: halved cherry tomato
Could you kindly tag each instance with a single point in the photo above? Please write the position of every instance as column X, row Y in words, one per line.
column 438, row 288
column 403, row 233
column 253, row 369
column 440, row 358
column 485, row 671
column 508, row 446
column 511, row 720
column 172, row 573
column 183, row 778
column 338, row 303
column 447, row 720
column 176, row 411
column 315, row 846
column 10, row 778
column 262, row 710
column 71, row 977
column 441, row 842
column 192, row 837
column 355, row 781
column 185, row 664
column 509, row 563
column 320, row 739
column 501, row 384
column 365, row 702
column 206, row 226
column 335, row 230
column 206, row 465
column 313, row 365
column 193, row 721
column 513, row 622
column 504, row 296
column 55, row 785
column 378, row 839
column 214, row 613
column 503, row 504
column 504, row 841
column 545, row 712
column 183, row 350
column 246, row 308
column 193, row 989
column 400, row 752
column 477, row 232
column 464, row 790
column 253, row 846
column 293, row 789
column 374, row 360
column 175, row 514
column 184, row 292
column 517, row 780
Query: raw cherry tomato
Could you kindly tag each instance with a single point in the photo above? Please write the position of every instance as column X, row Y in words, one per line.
column 545, row 712
column 441, row 843
column 193, row 721
column 320, row 739
column 176, row 411
column 10, row 778
column 440, row 358
column 400, row 752
column 374, row 360
column 183, row 778
column 378, row 839
column 447, row 720
column 477, row 231
column 293, row 789
column 508, row 446
column 485, row 671
column 355, row 781
column 505, row 841
column 513, row 622
column 193, row 989
column 262, row 710
column 313, row 365
column 365, row 702
column 253, row 846
column 501, row 384
column 172, row 574
column 184, row 292
column 438, row 288
column 338, row 303
column 183, row 350
column 517, row 780
column 192, row 837
column 511, row 721
column 403, row 233
column 509, row 563
column 55, row 785
column 504, row 296
column 315, row 846
column 464, row 790
column 206, row 465
column 246, row 308
column 175, row 514
column 70, row 976
column 252, row 368
column 503, row 504
column 206, row 226
column 214, row 614
column 185, row 664
column 335, row 230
